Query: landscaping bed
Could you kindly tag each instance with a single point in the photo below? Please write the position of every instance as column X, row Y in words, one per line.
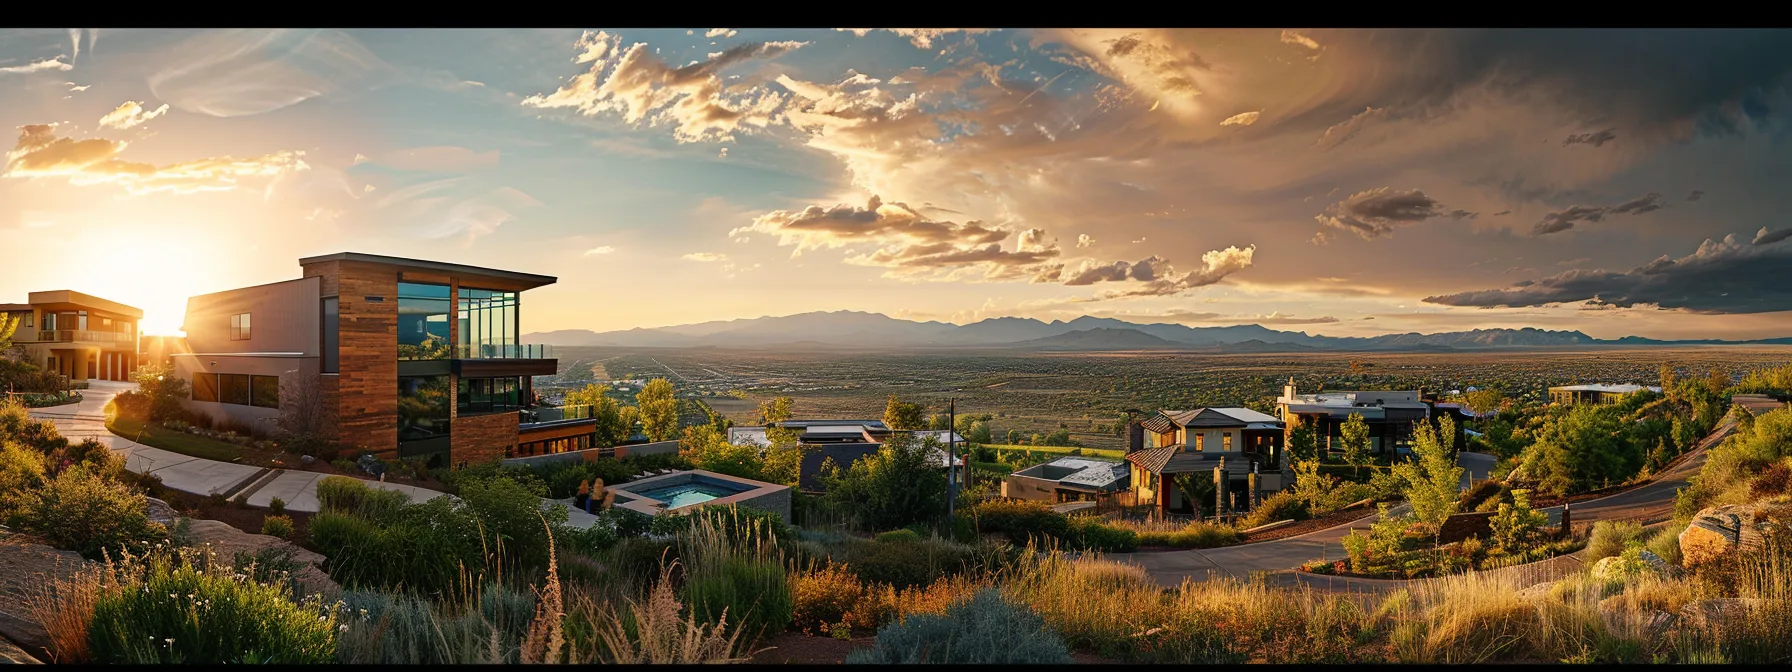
column 157, row 436
column 239, row 516
column 1308, row 526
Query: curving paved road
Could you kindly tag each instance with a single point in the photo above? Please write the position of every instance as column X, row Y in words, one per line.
column 1647, row 503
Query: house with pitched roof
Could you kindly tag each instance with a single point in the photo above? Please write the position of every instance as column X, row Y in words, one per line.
column 1067, row 479
column 1185, row 461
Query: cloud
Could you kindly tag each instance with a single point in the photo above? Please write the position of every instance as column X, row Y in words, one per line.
column 1377, row 212
column 1595, row 139
column 40, row 154
column 1083, row 240
column 129, row 114
column 706, row 257
column 1720, row 277
column 464, row 206
column 234, row 73
column 1161, row 279
column 447, row 159
column 1565, row 219
column 1574, row 262
column 815, row 227
column 1292, row 37
column 1502, row 213
column 1695, row 195
column 1242, row 119
column 601, row 249
column 1339, row 133
column 720, row 32
column 46, row 65
column 922, row 38
column 642, row 88
column 1763, row 237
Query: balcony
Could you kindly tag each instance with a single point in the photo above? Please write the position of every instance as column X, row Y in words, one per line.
column 478, row 360
column 549, row 415
column 84, row 336
column 503, row 351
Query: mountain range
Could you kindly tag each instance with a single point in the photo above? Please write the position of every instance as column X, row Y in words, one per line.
column 875, row 330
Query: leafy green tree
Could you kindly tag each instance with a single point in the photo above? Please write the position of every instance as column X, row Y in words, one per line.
column 610, row 429
column 9, row 324
column 1484, row 400
column 899, row 414
column 1515, row 524
column 1302, row 444
column 708, row 449
column 978, row 432
column 775, row 410
column 1355, row 436
column 658, row 402
column 1312, row 487
column 1581, row 450
column 899, row 485
column 165, row 390
column 1432, row 477
column 939, row 422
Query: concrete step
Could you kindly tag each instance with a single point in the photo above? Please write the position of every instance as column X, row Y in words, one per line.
column 255, row 481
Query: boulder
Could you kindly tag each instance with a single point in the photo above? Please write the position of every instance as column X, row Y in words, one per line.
column 1660, row 564
column 1722, row 531
column 226, row 541
column 1617, row 568
column 25, row 568
column 1536, row 591
column 161, row 512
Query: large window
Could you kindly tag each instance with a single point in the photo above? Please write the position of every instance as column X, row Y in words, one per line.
column 423, row 411
column 264, row 391
column 489, row 395
column 332, row 323
column 239, row 327
column 233, row 388
column 423, row 321
column 488, row 322
column 205, row 387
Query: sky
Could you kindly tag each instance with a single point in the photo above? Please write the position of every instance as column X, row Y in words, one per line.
column 1343, row 182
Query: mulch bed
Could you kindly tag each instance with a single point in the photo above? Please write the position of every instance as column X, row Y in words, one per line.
column 245, row 518
column 1303, row 527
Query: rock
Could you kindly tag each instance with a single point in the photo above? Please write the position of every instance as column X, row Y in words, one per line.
column 226, row 541
column 1717, row 612
column 1536, row 591
column 1661, row 623
column 26, row 568
column 306, row 460
column 1721, row 531
column 161, row 512
column 13, row 655
column 1616, row 568
column 1659, row 563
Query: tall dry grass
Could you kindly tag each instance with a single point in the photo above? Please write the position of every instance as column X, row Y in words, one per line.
column 656, row 630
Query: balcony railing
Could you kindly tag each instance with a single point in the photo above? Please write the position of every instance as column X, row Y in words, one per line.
column 545, row 414
column 82, row 336
column 503, row 351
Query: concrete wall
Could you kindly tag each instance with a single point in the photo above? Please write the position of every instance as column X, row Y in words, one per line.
column 283, row 318
column 660, row 448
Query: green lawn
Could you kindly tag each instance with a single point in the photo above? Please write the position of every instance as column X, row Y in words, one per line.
column 1061, row 450
column 175, row 442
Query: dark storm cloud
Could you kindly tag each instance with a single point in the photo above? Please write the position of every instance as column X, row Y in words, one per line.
column 1764, row 237
column 1594, row 139
column 1721, row 277
column 1565, row 219
column 1695, row 195
column 1377, row 212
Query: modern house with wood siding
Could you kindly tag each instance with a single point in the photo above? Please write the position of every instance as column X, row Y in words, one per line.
column 80, row 336
column 402, row 357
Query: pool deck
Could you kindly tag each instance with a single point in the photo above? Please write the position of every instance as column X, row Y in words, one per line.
column 745, row 492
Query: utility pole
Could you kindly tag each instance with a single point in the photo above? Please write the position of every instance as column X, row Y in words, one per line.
column 951, row 458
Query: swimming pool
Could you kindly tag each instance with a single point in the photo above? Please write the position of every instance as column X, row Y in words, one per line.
column 686, row 494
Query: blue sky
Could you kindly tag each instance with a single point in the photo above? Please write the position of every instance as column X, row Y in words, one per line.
column 1336, row 181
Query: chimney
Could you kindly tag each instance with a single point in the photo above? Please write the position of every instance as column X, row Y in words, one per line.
column 1135, row 436
column 1288, row 390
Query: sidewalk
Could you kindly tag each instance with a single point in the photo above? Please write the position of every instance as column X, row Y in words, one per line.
column 199, row 476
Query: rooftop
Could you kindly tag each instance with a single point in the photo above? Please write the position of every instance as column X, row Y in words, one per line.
column 1625, row 388
column 527, row 280
column 1080, row 471
column 64, row 299
column 1166, row 421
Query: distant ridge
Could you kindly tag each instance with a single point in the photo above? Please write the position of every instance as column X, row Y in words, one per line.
column 854, row 329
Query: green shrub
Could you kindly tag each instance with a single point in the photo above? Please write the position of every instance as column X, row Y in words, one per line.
column 822, row 597
column 898, row 536
column 1609, row 539
column 736, row 522
column 392, row 629
column 277, row 526
column 905, row 564
column 1022, row 521
column 1195, row 535
column 82, row 512
column 742, row 581
column 277, row 506
column 1277, row 507
column 1089, row 533
column 184, row 614
column 983, row 630
column 1666, row 543
column 430, row 548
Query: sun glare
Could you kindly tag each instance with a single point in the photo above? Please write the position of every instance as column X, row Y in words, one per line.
column 153, row 273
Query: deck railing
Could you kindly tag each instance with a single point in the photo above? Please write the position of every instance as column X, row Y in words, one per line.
column 503, row 351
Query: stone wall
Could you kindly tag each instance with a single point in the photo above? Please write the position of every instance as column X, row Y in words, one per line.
column 1464, row 525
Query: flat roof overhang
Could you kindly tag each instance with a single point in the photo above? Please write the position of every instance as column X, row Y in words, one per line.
column 63, row 299
column 471, row 276
column 497, row 368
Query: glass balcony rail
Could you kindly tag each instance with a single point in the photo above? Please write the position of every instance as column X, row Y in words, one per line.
column 542, row 414
column 82, row 336
column 503, row 351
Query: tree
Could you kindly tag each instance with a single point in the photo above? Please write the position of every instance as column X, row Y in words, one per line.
column 1012, row 437
column 899, row 414
column 1302, row 444
column 1312, row 487
column 1668, row 379
column 611, row 429
column 658, row 402
column 979, row 432
column 1432, row 478
column 631, row 418
column 899, row 485
column 1581, row 450
column 1355, row 436
column 304, row 418
column 708, row 448
column 164, row 390
column 1717, row 382
column 9, row 324
column 939, row 422
column 775, row 410
column 1516, row 524
column 1484, row 401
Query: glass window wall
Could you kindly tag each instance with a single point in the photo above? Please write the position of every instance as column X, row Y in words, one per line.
column 489, row 395
column 423, row 321
column 488, row 323
column 422, row 407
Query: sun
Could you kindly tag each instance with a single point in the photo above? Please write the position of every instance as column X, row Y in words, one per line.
column 154, row 272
